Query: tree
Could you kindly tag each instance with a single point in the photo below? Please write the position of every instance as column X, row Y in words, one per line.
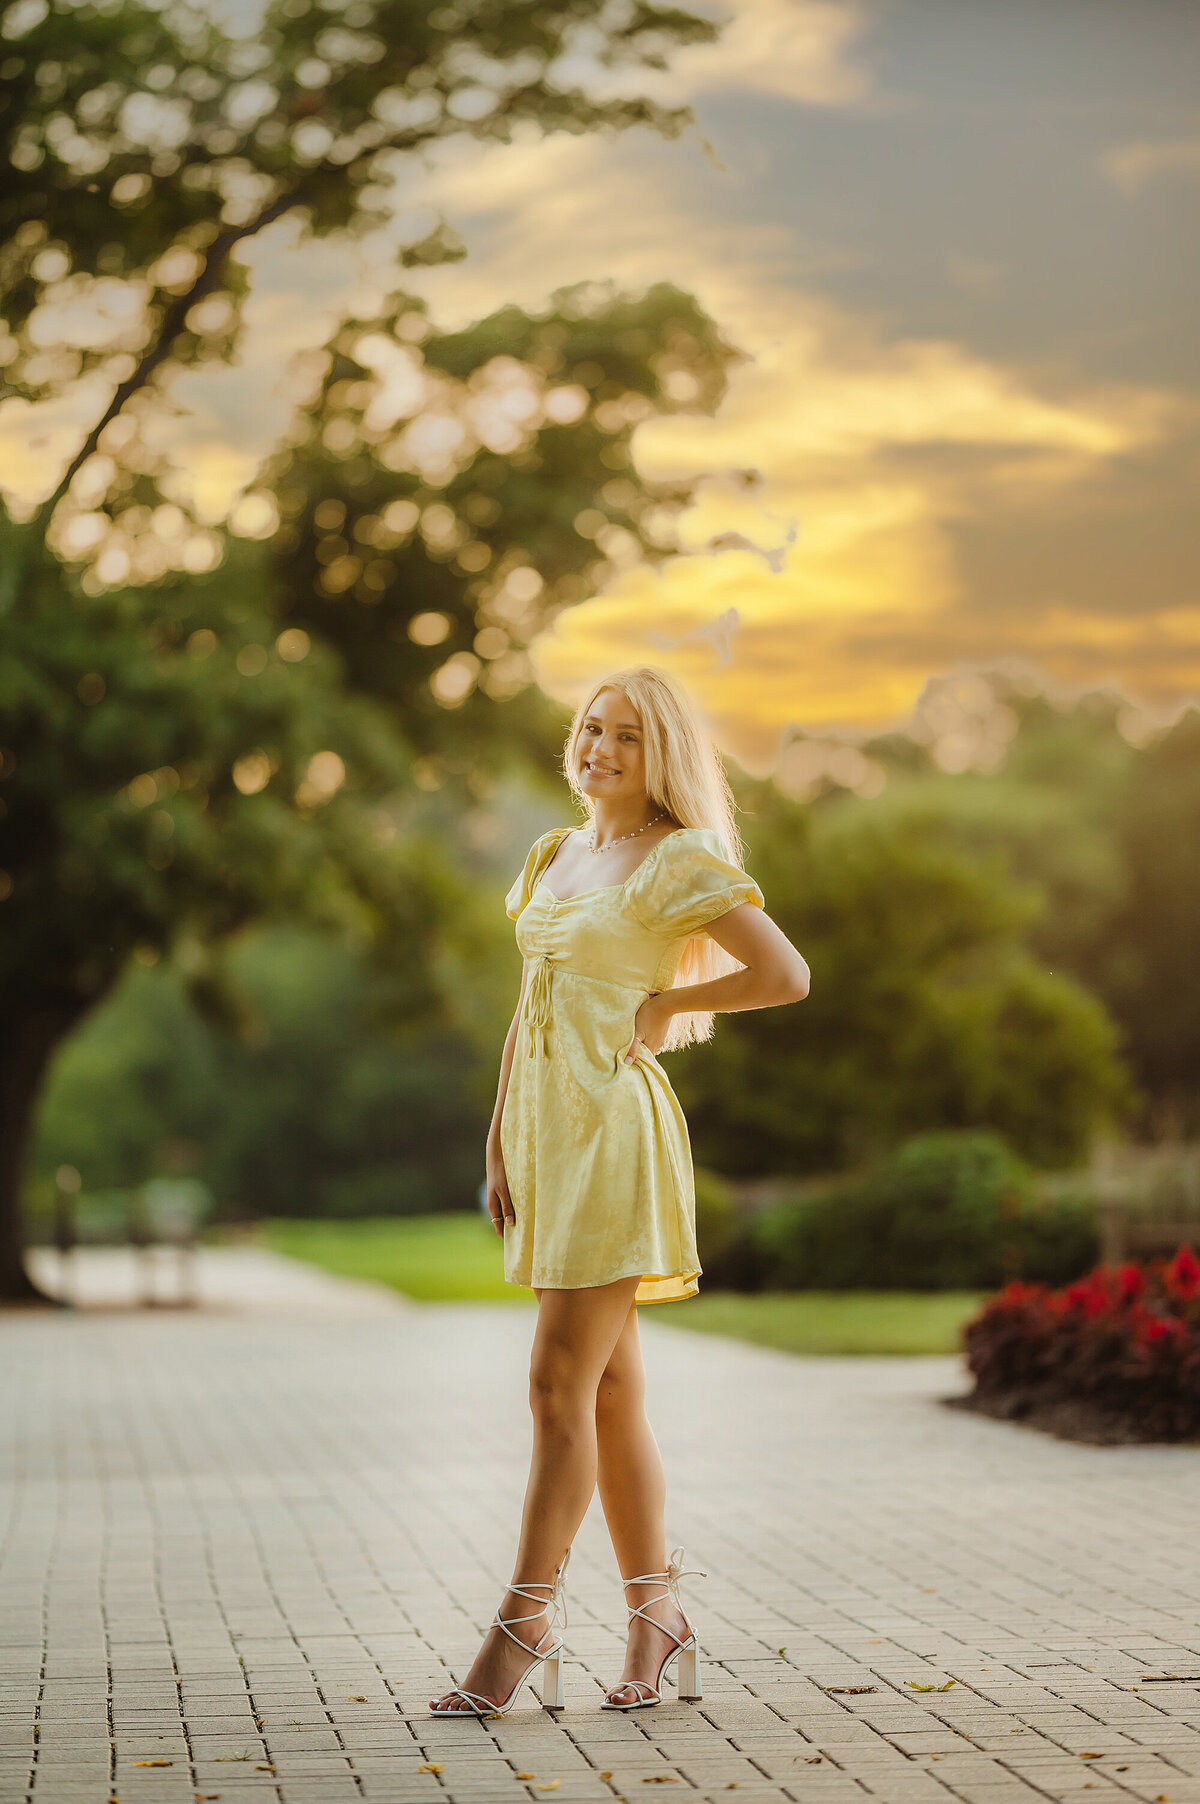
column 147, row 145
column 323, row 1106
column 926, row 1008
column 182, row 754
column 1106, row 832
column 1148, row 967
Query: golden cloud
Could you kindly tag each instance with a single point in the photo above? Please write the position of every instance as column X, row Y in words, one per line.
column 1131, row 166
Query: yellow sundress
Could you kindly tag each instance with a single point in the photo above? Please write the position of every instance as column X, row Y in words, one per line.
column 596, row 1151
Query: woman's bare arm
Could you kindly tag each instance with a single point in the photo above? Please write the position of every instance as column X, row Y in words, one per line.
column 499, row 1202
column 506, row 1059
column 774, row 973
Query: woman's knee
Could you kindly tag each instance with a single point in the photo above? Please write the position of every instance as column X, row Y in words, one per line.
column 622, row 1389
column 557, row 1389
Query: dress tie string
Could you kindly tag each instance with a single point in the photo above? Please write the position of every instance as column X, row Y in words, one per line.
column 538, row 1012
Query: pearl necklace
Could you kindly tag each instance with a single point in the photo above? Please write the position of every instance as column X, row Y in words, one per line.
column 594, row 848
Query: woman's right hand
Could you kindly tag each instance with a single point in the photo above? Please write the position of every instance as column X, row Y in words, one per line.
column 499, row 1203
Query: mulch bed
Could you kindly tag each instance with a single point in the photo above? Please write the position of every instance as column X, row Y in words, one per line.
column 1067, row 1420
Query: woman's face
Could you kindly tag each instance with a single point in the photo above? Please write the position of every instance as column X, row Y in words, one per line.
column 608, row 752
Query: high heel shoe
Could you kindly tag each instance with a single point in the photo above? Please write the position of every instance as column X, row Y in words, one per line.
column 685, row 1654
column 552, row 1679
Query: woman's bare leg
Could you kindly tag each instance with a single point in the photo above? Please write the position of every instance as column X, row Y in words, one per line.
column 633, row 1491
column 574, row 1340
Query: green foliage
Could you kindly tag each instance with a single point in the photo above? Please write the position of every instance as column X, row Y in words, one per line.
column 431, row 573
column 947, row 1211
column 142, row 143
column 1107, row 836
column 327, row 1103
column 1150, row 975
column 159, row 783
column 926, row 1008
column 716, row 1215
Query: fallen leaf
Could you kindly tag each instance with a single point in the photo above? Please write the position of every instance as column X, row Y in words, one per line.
column 264, row 1769
column 852, row 1691
column 204, row 1797
column 1091, row 1756
column 810, row 1759
column 781, row 1651
column 550, row 1785
column 915, row 1686
column 605, row 1776
column 1122, row 1769
column 660, row 1779
column 1162, row 1798
column 355, row 1700
column 429, row 1767
column 153, row 1763
column 531, row 1775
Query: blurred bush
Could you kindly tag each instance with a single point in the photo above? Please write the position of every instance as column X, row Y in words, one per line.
column 1118, row 1350
column 716, row 1215
column 952, row 1210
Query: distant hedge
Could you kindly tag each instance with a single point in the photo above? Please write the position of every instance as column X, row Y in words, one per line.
column 952, row 1210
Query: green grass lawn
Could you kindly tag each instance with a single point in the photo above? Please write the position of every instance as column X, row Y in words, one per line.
column 458, row 1258
column 437, row 1258
column 815, row 1321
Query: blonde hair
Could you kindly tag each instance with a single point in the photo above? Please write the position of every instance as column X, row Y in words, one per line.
column 685, row 777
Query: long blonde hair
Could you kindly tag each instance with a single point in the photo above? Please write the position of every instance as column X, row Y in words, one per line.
column 685, row 777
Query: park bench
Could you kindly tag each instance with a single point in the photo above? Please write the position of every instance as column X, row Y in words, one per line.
column 162, row 1216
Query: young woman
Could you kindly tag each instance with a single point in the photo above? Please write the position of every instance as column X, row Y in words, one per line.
column 634, row 930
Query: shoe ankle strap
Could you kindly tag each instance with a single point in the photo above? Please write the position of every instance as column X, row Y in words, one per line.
column 675, row 1571
column 553, row 1606
column 670, row 1578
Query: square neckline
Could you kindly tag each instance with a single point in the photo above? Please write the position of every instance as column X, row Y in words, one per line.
column 601, row 888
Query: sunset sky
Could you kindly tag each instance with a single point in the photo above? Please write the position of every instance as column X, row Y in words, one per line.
column 958, row 245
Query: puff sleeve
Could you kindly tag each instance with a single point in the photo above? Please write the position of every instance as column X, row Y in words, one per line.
column 690, row 882
column 518, row 896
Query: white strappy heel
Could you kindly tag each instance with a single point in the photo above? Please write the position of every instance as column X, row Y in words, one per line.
column 686, row 1652
column 553, row 1697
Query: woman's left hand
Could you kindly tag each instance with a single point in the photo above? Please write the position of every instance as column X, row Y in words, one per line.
column 650, row 1026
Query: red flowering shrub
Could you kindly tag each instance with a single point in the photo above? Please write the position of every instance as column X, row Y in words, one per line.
column 1122, row 1343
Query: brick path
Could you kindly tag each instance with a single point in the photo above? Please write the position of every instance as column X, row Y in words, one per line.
column 253, row 1544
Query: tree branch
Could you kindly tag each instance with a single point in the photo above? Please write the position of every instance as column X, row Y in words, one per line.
column 175, row 315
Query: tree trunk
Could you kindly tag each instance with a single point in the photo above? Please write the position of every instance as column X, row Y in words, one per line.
column 28, row 1037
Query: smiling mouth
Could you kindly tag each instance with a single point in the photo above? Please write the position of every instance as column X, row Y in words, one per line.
column 599, row 770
